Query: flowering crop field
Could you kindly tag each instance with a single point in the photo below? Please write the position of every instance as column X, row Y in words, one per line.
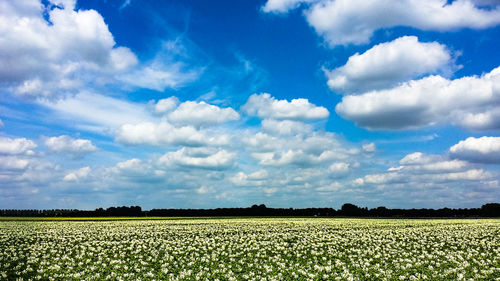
column 251, row 249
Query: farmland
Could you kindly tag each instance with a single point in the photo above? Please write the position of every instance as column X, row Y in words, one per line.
column 251, row 249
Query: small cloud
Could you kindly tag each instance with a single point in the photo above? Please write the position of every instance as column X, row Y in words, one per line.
column 282, row 6
column 65, row 144
column 387, row 64
column 77, row 175
column 201, row 114
column 204, row 190
column 166, row 105
column 16, row 146
column 125, row 4
column 270, row 190
column 266, row 106
column 369, row 147
column 467, row 102
column 164, row 134
column 201, row 158
column 481, row 150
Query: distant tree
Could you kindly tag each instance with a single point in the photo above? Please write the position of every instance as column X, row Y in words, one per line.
column 349, row 209
column 261, row 206
column 490, row 210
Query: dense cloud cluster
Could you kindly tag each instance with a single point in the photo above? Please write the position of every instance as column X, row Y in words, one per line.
column 480, row 150
column 387, row 64
column 402, row 84
column 342, row 22
column 469, row 102
column 48, row 57
column 116, row 124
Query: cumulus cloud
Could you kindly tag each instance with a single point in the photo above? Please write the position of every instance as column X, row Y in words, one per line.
column 387, row 64
column 166, row 105
column 21, row 171
column 201, row 114
column 131, row 165
column 425, row 169
column 164, row 134
column 292, row 157
column 481, row 150
column 77, row 175
column 419, row 161
column 16, row 146
column 199, row 158
column 469, row 102
column 266, row 106
column 13, row 163
column 56, row 51
column 299, row 150
column 339, row 168
column 204, row 190
column 285, row 127
column 343, row 22
column 51, row 50
column 66, row 144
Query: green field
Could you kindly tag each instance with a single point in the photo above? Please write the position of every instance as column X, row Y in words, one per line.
column 251, row 249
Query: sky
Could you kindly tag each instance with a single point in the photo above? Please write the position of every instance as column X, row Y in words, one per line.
column 288, row 103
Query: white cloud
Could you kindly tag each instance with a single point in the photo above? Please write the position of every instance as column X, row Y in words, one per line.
column 342, row 22
column 473, row 175
column 417, row 158
column 482, row 150
column 266, row 106
column 258, row 175
column 164, row 133
column 16, row 146
column 204, row 190
column 97, row 113
column 199, row 158
column 256, row 178
column 166, row 105
column 21, row 171
column 66, row 144
column 56, row 56
column 339, row 168
column 13, row 163
column 201, row 114
column 369, row 147
column 44, row 57
column 334, row 186
column 387, row 64
column 294, row 157
column 168, row 69
column 270, row 190
column 158, row 76
column 282, row 6
column 469, row 102
column 419, row 161
column 285, row 127
column 131, row 165
column 137, row 169
column 418, row 169
column 77, row 175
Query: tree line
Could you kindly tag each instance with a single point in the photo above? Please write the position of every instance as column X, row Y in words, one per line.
column 347, row 210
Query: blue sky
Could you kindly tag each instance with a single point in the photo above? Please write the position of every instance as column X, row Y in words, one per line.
column 290, row 103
